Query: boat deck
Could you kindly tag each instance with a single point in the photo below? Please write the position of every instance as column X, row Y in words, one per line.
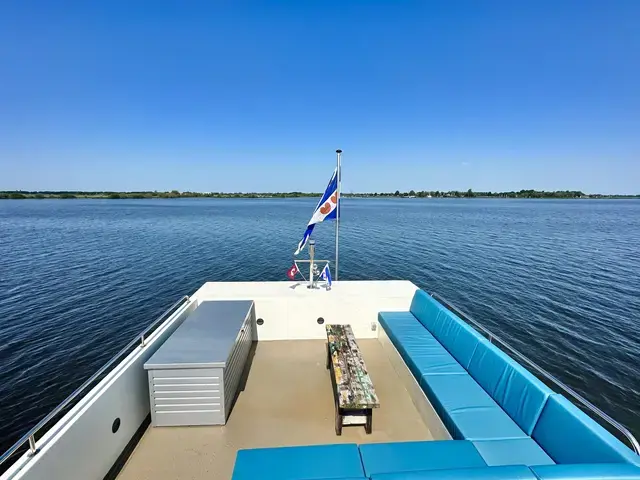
column 287, row 400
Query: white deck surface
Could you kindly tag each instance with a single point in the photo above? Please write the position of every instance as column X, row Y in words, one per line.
column 287, row 401
column 290, row 310
column 350, row 288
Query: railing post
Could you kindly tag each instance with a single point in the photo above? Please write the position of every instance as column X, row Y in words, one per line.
column 142, row 340
column 32, row 445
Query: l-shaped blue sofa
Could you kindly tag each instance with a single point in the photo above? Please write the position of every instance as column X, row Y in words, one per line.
column 506, row 424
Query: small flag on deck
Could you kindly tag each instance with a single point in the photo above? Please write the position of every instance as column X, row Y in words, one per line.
column 291, row 273
column 327, row 209
column 326, row 274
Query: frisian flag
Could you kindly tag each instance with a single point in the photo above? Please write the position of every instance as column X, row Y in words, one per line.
column 327, row 209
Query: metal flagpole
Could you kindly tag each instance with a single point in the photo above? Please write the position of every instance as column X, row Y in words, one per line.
column 312, row 252
column 338, row 153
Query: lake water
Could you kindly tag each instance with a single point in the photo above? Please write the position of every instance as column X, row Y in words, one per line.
column 80, row 278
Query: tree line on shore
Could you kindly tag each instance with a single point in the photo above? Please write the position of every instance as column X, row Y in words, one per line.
column 512, row 194
column 23, row 194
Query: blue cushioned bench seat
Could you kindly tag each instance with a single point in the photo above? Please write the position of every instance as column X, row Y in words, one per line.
column 518, row 451
column 586, row 471
column 316, row 462
column 468, row 412
column 568, row 435
column 455, row 335
column 483, row 395
column 495, row 399
column 519, row 472
column 513, row 387
column 419, row 349
column 412, row 456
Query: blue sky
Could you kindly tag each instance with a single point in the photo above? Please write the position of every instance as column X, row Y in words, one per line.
column 256, row 96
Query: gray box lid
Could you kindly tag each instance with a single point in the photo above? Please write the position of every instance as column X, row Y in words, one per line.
column 205, row 338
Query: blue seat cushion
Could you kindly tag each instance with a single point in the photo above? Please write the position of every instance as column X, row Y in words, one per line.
column 454, row 334
column 426, row 309
column 468, row 412
column 395, row 323
column 517, row 451
column 403, row 325
column 511, row 385
column 299, row 463
column 588, row 471
column 519, row 472
column 430, row 358
column 411, row 456
column 420, row 350
column 568, row 435
column 457, row 336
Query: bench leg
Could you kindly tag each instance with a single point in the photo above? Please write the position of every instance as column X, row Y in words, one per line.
column 368, row 427
column 328, row 357
column 338, row 421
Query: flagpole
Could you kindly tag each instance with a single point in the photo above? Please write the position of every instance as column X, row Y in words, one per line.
column 338, row 153
column 312, row 252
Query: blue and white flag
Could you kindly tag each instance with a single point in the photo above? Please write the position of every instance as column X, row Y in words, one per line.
column 326, row 274
column 327, row 209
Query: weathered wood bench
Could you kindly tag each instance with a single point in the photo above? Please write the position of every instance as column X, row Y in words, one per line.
column 354, row 395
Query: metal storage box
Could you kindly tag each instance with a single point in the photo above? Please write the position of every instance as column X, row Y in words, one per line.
column 195, row 374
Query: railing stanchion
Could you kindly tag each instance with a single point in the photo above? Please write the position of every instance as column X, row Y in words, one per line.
column 32, row 445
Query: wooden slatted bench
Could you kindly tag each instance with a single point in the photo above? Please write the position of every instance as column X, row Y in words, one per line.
column 354, row 395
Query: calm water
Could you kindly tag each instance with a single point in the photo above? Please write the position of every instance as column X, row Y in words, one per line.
column 78, row 279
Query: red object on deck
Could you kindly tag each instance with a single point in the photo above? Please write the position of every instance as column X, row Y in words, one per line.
column 291, row 273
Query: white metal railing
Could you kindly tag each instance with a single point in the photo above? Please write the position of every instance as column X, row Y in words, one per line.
column 139, row 340
column 542, row 372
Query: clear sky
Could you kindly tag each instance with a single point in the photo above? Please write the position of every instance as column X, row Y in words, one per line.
column 256, row 96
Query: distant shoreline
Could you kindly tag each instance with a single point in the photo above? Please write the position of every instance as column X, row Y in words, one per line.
column 529, row 194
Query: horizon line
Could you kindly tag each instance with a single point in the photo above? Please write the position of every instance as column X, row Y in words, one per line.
column 16, row 194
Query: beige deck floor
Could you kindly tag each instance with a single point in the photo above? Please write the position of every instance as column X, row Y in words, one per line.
column 287, row 400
